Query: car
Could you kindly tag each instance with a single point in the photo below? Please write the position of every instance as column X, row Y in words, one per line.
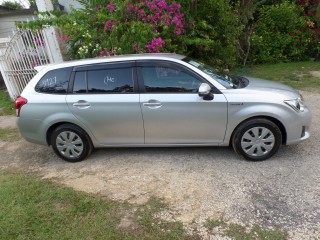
column 157, row 100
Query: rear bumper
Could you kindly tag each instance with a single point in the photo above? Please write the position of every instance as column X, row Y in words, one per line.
column 32, row 130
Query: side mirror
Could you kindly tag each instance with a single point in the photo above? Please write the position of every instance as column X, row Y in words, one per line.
column 205, row 91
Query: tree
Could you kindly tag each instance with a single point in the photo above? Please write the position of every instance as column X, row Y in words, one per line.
column 246, row 10
column 213, row 38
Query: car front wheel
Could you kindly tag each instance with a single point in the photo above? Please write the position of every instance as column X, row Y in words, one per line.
column 257, row 139
column 71, row 143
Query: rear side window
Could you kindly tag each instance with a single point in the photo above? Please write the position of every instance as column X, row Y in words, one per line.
column 55, row 81
column 110, row 80
column 80, row 83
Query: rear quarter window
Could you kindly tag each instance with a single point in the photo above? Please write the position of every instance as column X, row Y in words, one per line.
column 54, row 81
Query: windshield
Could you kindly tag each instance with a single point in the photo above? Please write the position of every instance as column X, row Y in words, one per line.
column 225, row 80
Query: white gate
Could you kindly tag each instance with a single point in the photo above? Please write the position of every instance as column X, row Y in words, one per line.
column 26, row 50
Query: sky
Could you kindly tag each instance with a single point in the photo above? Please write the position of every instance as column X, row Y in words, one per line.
column 24, row 3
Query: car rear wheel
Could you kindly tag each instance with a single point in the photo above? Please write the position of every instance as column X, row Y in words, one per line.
column 257, row 139
column 71, row 143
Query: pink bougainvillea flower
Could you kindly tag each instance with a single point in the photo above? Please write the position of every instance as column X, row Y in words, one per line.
column 159, row 13
column 65, row 38
column 178, row 31
column 162, row 4
column 109, row 25
column 98, row 8
column 106, row 52
column 111, row 7
column 155, row 46
column 130, row 8
column 151, row 4
column 135, row 47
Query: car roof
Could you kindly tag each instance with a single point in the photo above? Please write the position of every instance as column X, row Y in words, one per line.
column 117, row 58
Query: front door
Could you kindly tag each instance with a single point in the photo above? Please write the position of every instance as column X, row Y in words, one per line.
column 173, row 112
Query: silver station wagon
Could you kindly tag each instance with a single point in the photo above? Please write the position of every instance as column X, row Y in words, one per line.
column 157, row 100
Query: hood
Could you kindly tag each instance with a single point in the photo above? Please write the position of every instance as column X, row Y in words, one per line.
column 270, row 86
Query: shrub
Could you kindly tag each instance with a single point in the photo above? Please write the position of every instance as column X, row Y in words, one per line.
column 312, row 10
column 214, row 36
column 105, row 28
column 116, row 27
column 281, row 34
column 12, row 5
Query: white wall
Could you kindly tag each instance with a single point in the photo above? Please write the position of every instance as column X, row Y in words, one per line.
column 3, row 45
column 7, row 23
column 68, row 3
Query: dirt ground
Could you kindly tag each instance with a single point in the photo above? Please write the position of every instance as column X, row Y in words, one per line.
column 197, row 183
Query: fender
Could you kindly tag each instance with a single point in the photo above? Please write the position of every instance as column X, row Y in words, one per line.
column 241, row 112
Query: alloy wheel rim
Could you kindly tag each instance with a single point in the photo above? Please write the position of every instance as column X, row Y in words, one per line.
column 257, row 141
column 69, row 144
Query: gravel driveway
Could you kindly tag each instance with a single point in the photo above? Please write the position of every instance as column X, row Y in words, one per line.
column 198, row 183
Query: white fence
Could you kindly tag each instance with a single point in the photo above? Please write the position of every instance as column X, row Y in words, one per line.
column 26, row 50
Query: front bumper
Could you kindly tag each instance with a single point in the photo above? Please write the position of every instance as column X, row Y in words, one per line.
column 299, row 128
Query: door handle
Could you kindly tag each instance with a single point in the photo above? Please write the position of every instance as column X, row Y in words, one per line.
column 81, row 104
column 153, row 104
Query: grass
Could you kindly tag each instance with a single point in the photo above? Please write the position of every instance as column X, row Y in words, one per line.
column 239, row 232
column 32, row 208
column 9, row 135
column 169, row 230
column 296, row 74
column 6, row 104
column 213, row 223
column 36, row 209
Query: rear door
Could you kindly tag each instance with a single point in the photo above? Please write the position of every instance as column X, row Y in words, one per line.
column 104, row 98
column 172, row 110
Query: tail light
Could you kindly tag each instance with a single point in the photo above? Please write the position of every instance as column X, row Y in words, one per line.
column 18, row 103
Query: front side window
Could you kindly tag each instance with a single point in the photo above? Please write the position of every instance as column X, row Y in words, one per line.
column 55, row 81
column 164, row 77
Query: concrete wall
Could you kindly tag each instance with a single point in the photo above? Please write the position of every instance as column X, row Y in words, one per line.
column 68, row 3
column 1, row 82
column 3, row 46
column 7, row 22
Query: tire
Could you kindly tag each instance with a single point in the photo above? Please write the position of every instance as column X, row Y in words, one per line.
column 71, row 143
column 257, row 139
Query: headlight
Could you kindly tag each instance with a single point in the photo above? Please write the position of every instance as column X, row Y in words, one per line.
column 296, row 104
